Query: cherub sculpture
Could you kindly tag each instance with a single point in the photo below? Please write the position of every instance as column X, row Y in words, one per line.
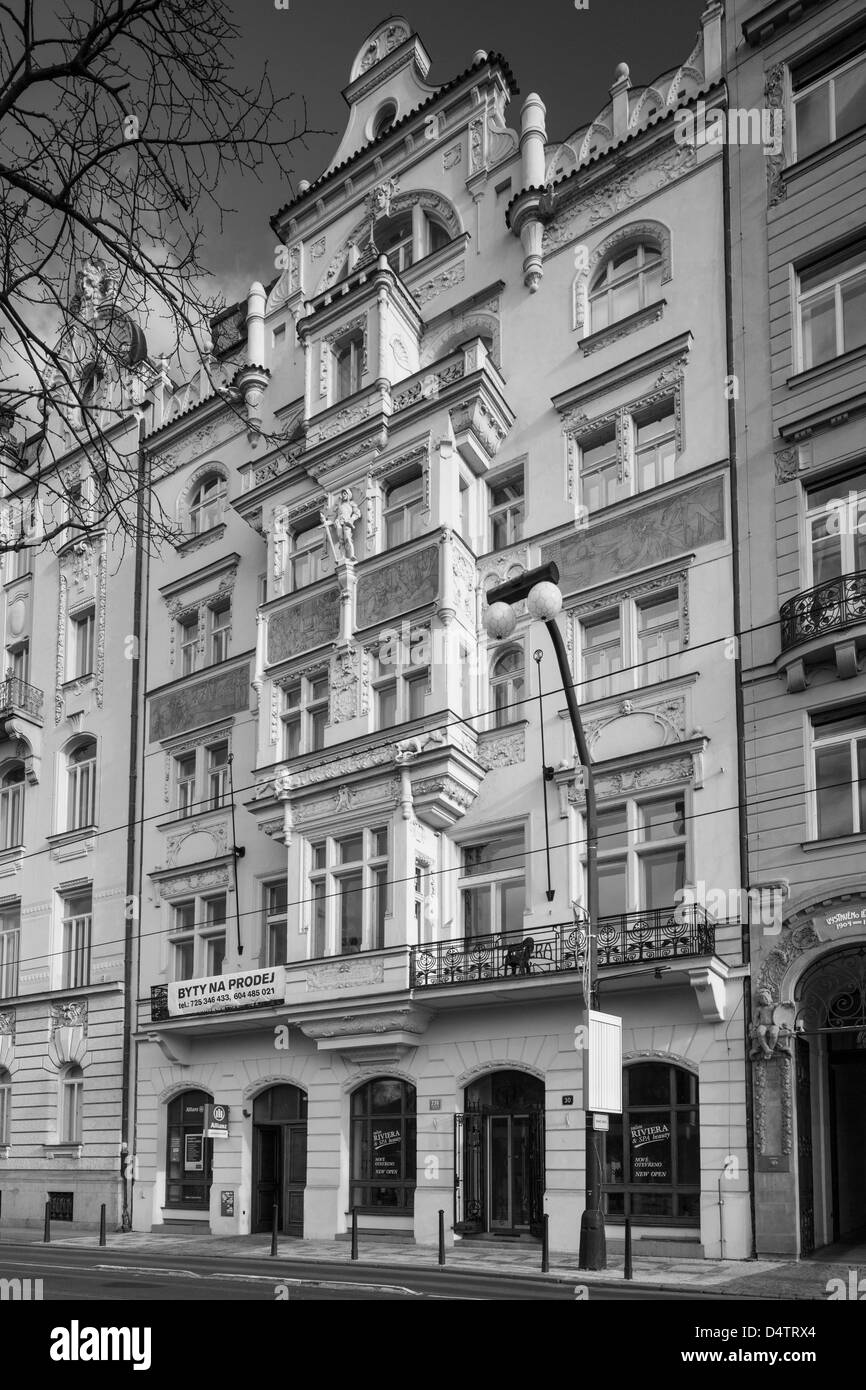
column 769, row 1034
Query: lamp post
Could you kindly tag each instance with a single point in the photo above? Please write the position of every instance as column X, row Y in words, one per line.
column 544, row 603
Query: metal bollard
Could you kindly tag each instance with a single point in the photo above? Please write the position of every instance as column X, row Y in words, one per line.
column 441, row 1238
column 274, row 1224
column 627, row 1272
column 545, row 1244
column 46, row 1234
column 102, row 1224
column 354, row 1233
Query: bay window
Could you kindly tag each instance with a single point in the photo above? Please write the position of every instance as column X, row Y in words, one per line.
column 404, row 508
column 308, row 557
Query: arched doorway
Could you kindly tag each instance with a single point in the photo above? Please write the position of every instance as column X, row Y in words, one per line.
column 831, row 1095
column 499, row 1149
column 279, row 1158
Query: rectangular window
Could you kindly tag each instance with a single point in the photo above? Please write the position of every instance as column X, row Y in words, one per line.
column 18, row 664
column 83, row 630
column 276, row 927
column 507, row 503
column 404, row 509
column 839, row 753
column 658, row 636
column 75, row 944
column 71, row 1097
column 291, row 717
column 10, row 935
column 185, row 783
column 831, row 304
column 602, row 653
column 349, row 892
column 188, row 627
column 492, row 885
column 601, row 474
column 214, row 934
column 829, row 97
column 220, row 633
column 641, row 854
column 836, row 522
column 217, row 776
column 349, row 357
column 308, row 555
column 5, row 1111
column 655, row 448
column 318, row 711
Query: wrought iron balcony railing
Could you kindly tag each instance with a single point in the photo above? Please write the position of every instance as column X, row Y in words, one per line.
column 17, row 696
column 656, row 935
column 829, row 607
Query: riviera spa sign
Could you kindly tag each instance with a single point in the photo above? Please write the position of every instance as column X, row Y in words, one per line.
column 220, row 992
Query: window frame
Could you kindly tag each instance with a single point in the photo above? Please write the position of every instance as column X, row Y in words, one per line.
column 635, row 671
column 411, row 512
column 675, row 1110
column 275, row 915
column 512, row 510
column 328, row 870
column 351, row 349
column 73, row 778
column 799, row 94
column 10, row 950
column 845, row 518
column 83, row 653
column 306, row 714
column 210, row 509
column 493, row 881
column 604, row 285
column 404, row 677
column 70, row 1113
column 362, row 1119
column 619, row 430
column 817, row 742
column 200, row 932
column 5, row 1107
column 511, row 708
column 13, row 799
column 836, row 281
column 76, row 938
column 638, row 849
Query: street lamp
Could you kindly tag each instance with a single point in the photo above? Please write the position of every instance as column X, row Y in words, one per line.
column 544, row 603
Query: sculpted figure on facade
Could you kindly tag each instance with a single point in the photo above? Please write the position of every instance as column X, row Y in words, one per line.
column 769, row 1033
column 340, row 520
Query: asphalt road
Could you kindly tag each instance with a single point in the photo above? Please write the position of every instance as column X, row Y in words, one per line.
column 73, row 1275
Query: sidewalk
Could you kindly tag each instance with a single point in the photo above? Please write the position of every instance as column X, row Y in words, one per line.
column 740, row 1279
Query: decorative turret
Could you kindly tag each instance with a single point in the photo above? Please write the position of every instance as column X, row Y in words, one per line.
column 253, row 378
column 526, row 214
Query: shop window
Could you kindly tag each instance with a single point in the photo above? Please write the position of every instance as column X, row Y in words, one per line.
column 189, row 1155
column 651, row 1154
column 383, row 1147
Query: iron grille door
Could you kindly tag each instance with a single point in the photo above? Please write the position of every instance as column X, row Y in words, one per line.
column 536, row 1172
column 468, row 1173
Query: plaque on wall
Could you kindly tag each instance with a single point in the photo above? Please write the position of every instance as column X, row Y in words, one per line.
column 200, row 702
column 309, row 623
column 658, row 531
column 398, row 588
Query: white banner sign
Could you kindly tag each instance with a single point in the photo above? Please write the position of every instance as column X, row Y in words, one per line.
column 220, row 992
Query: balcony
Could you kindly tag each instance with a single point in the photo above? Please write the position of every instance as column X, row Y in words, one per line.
column 18, row 697
column 654, row 936
column 821, row 624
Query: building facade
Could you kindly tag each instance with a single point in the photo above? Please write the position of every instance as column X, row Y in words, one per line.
column 66, row 768
column 798, row 213
column 360, row 965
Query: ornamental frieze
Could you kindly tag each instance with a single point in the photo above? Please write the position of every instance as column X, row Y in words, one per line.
column 200, row 702
column 399, row 587
column 310, row 622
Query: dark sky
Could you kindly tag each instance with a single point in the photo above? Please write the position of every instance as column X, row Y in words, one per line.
column 567, row 55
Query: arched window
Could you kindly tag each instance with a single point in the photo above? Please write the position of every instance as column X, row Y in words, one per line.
column 651, row 1155
column 81, row 784
column 383, row 1146
column 5, row 1106
column 506, row 681
column 393, row 238
column 12, row 806
column 384, row 120
column 207, row 504
column 189, row 1155
column 71, row 1097
column 628, row 280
